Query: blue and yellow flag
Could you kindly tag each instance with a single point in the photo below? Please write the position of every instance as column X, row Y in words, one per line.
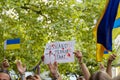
column 117, row 21
column 12, row 44
column 110, row 19
column 116, row 28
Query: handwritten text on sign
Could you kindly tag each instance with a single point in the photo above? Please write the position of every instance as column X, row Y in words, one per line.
column 62, row 52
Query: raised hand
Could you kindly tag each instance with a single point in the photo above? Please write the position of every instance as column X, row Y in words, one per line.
column 109, row 66
column 53, row 69
column 111, row 57
column 78, row 55
column 5, row 64
column 21, row 68
column 101, row 66
column 83, row 67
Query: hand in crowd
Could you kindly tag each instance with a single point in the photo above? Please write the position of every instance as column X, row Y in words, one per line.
column 5, row 64
column 83, row 67
column 21, row 68
column 78, row 55
column 54, row 70
column 109, row 66
column 111, row 58
column 101, row 66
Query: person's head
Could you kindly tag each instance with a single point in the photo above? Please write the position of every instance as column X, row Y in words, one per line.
column 100, row 75
column 35, row 77
column 30, row 77
column 4, row 76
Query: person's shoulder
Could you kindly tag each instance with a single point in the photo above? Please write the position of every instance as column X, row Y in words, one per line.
column 117, row 77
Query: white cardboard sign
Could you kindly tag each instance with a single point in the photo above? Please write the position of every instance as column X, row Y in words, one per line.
column 61, row 52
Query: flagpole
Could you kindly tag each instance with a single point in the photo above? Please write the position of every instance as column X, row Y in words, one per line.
column 4, row 50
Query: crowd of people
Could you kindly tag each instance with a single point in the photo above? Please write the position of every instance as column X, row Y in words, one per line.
column 102, row 74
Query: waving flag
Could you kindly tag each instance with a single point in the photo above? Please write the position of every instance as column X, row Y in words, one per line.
column 116, row 28
column 12, row 44
column 110, row 19
column 117, row 21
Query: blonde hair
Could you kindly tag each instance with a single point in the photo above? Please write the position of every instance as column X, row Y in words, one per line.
column 117, row 77
column 100, row 75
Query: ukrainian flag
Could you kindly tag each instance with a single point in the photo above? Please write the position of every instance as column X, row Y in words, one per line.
column 116, row 28
column 110, row 19
column 12, row 44
column 117, row 21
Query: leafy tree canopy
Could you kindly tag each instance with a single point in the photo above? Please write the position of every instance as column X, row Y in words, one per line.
column 37, row 22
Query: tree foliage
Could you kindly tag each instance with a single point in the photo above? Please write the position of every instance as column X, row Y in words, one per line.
column 37, row 22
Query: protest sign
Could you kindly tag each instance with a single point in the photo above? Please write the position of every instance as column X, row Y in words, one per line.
column 61, row 52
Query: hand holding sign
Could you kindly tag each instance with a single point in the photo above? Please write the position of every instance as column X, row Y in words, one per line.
column 54, row 71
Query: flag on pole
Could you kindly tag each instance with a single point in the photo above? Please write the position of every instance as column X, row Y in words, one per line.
column 103, row 30
column 116, row 28
column 12, row 44
column 117, row 21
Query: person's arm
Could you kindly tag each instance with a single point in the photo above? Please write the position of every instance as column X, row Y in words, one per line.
column 21, row 68
column 54, row 71
column 85, row 70
column 109, row 66
column 37, row 75
column 38, row 70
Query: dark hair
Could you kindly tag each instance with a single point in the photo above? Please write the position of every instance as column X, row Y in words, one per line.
column 29, row 77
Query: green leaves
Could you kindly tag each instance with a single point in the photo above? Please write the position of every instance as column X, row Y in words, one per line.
column 39, row 22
